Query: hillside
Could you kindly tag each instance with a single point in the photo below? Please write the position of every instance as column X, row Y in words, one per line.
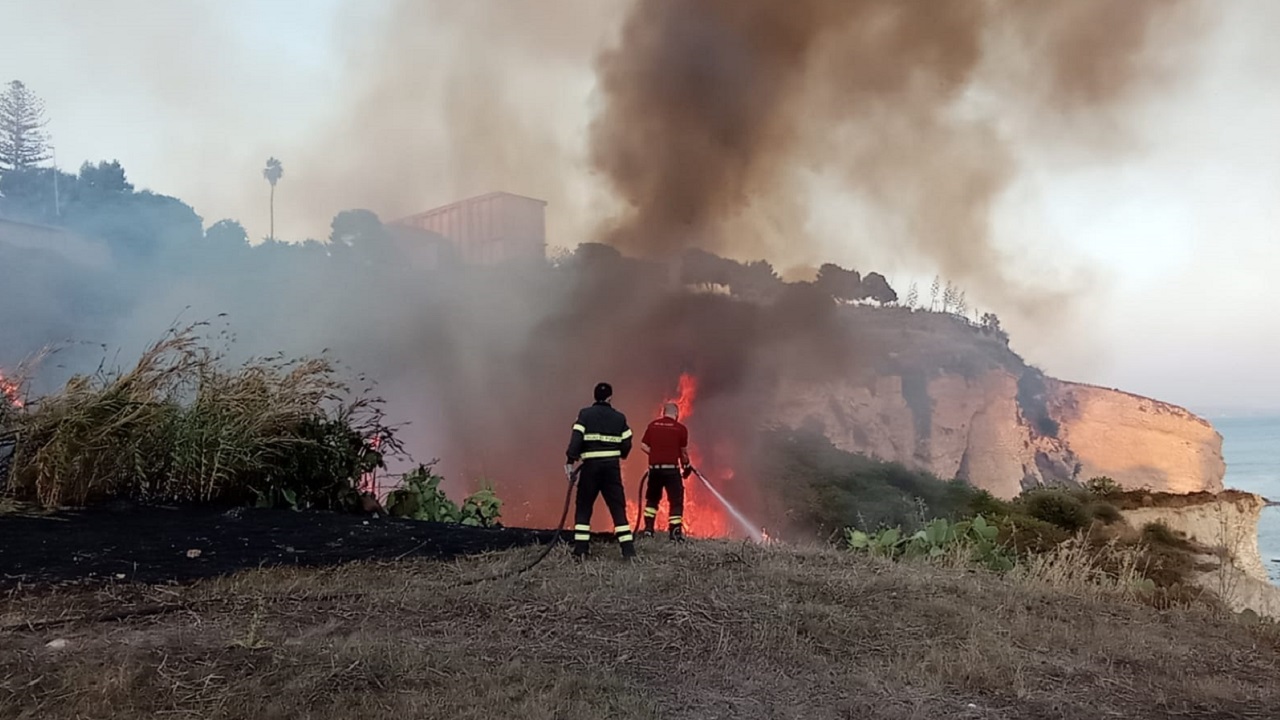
column 939, row 393
column 711, row 630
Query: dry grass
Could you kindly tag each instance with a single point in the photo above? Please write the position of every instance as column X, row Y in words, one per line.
column 712, row 630
column 177, row 426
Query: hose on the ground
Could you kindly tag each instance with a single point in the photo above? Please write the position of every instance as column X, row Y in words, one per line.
column 568, row 499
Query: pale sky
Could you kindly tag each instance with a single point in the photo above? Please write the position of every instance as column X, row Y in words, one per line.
column 1179, row 239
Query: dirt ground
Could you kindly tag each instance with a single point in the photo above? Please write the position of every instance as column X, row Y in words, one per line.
column 708, row 630
column 159, row 545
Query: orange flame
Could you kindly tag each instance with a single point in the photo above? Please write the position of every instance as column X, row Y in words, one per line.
column 9, row 391
column 703, row 515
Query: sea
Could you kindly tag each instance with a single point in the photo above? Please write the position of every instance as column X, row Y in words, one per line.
column 1251, row 448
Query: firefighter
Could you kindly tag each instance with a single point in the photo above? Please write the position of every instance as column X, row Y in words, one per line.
column 666, row 442
column 601, row 440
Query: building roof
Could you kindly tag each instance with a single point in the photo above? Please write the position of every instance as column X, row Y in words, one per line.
column 497, row 193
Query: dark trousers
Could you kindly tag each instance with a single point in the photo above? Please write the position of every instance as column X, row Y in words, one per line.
column 601, row 477
column 667, row 479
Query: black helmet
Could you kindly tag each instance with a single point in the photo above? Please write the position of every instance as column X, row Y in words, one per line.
column 603, row 391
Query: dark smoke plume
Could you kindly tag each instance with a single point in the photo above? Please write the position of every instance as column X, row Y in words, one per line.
column 717, row 109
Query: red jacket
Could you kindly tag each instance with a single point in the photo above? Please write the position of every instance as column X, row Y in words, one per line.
column 667, row 440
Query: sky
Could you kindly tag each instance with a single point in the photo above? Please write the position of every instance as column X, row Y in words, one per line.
column 1174, row 245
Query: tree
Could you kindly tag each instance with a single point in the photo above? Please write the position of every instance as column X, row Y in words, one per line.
column 273, row 172
column 933, row 292
column 839, row 283
column 104, row 178
column 227, row 234
column 353, row 228
column 913, row 296
column 23, row 142
column 949, row 295
column 876, row 287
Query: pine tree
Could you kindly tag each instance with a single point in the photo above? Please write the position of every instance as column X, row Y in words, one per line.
column 23, row 142
column 933, row 292
column 913, row 296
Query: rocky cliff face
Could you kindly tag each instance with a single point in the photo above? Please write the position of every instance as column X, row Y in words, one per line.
column 1005, row 432
column 1226, row 521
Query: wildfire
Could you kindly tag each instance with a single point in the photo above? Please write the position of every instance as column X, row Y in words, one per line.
column 9, row 391
column 704, row 516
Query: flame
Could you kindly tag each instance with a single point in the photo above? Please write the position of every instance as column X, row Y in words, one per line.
column 704, row 517
column 10, row 391
column 368, row 482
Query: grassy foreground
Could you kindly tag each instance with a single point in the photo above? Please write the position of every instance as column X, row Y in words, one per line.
column 710, row 630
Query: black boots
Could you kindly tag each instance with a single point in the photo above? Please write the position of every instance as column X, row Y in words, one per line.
column 676, row 533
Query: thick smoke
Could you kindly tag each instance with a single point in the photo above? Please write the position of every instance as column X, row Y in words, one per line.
column 720, row 108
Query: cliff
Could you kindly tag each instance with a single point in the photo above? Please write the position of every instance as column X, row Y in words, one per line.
column 1228, row 523
column 952, row 400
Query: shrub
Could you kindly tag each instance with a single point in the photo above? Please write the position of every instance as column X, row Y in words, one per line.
column 1057, row 507
column 976, row 538
column 420, row 498
column 1157, row 533
column 1103, row 486
column 1105, row 512
column 1027, row 535
column 829, row 489
column 181, row 427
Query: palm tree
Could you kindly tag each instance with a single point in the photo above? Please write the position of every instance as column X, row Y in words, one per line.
column 273, row 172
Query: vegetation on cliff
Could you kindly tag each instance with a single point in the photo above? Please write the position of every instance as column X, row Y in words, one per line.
column 886, row 509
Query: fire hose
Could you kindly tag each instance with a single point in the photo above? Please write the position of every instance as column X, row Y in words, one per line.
column 568, row 499
column 640, row 501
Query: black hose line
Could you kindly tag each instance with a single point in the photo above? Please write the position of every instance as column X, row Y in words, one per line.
column 640, row 501
column 568, row 499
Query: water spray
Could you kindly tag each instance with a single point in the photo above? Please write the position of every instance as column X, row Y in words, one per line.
column 746, row 524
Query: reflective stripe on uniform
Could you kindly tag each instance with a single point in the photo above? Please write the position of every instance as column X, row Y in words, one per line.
column 625, row 537
column 582, row 537
column 597, row 437
column 622, row 529
column 626, row 434
column 651, row 512
column 624, row 533
column 601, row 454
column 579, row 428
column 675, row 520
column 581, row 533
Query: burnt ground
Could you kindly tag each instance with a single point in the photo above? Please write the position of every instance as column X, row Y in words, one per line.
column 131, row 543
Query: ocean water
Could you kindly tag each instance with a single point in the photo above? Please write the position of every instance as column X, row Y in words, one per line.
column 1251, row 447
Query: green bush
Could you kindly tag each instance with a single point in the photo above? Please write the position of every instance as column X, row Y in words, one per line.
column 1104, row 512
column 977, row 537
column 1157, row 533
column 829, row 489
column 1103, row 486
column 1057, row 507
column 420, row 498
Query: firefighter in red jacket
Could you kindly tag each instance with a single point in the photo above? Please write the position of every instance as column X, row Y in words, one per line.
column 666, row 441
column 601, row 440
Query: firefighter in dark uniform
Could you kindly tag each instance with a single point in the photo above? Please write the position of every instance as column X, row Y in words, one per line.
column 666, row 441
column 601, row 440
